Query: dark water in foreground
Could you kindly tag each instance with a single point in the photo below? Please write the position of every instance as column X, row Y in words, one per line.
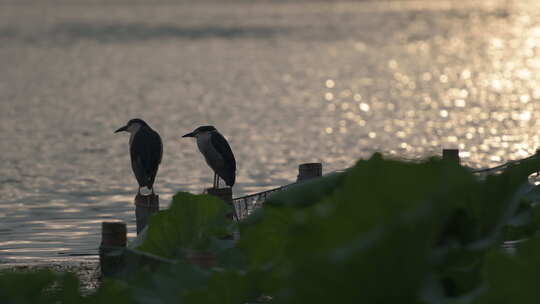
column 286, row 83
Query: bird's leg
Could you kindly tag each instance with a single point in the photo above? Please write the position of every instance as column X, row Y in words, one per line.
column 215, row 181
column 217, row 178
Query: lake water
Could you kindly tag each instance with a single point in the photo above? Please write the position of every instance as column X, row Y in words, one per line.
column 286, row 83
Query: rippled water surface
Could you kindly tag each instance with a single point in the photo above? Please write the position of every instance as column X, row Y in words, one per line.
column 285, row 83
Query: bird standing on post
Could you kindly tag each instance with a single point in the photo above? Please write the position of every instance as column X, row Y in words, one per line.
column 217, row 153
column 146, row 150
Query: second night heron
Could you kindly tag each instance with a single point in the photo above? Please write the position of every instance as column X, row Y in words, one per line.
column 146, row 150
column 217, row 153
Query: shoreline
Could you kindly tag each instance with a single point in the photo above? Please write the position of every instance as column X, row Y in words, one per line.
column 86, row 270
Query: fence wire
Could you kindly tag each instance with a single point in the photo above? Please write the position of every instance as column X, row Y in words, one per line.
column 505, row 165
column 245, row 205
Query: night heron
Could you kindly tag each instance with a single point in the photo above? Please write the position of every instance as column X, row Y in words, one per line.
column 146, row 151
column 217, row 153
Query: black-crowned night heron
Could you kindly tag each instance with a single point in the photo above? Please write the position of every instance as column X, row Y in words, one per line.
column 217, row 153
column 146, row 151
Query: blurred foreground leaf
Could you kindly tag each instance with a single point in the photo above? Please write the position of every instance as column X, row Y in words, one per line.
column 513, row 278
column 191, row 221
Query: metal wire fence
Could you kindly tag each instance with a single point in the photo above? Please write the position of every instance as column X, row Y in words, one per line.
column 505, row 165
column 245, row 205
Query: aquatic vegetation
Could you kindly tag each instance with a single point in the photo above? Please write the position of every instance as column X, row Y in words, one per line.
column 380, row 232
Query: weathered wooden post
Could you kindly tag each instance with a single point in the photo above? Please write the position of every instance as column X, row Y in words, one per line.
column 451, row 155
column 145, row 206
column 113, row 238
column 208, row 259
column 224, row 194
column 309, row 171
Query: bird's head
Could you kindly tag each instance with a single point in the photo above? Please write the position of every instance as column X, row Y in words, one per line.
column 201, row 131
column 132, row 126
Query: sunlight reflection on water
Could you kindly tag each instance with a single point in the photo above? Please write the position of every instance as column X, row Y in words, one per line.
column 285, row 83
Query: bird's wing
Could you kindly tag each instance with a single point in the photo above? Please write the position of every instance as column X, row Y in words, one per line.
column 146, row 154
column 222, row 147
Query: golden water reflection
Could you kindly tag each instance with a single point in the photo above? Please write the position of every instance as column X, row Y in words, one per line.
column 475, row 87
column 324, row 81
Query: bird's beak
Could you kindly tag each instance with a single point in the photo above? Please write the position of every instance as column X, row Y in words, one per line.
column 124, row 128
column 192, row 134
